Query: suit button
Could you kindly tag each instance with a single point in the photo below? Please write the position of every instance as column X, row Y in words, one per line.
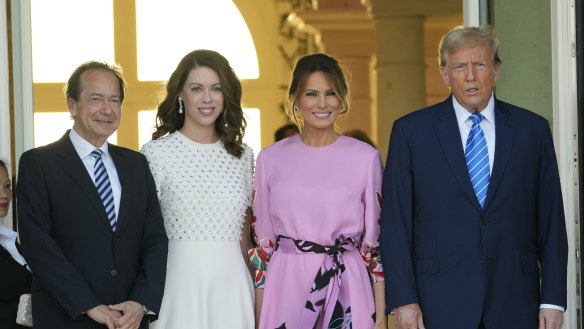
column 483, row 260
column 484, row 221
column 114, row 272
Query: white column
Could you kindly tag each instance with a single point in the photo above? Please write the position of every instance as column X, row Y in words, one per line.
column 5, row 138
column 22, row 78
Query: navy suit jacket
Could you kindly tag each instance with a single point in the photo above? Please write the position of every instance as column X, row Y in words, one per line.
column 442, row 250
column 77, row 260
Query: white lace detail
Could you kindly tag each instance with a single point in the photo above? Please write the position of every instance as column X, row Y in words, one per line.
column 203, row 190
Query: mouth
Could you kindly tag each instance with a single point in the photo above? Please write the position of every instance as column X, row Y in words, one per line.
column 472, row 91
column 105, row 121
column 3, row 205
column 322, row 115
column 206, row 110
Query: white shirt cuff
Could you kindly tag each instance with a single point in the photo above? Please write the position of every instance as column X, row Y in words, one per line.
column 555, row 307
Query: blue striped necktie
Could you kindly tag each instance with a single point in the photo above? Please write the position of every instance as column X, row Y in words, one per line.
column 477, row 158
column 104, row 188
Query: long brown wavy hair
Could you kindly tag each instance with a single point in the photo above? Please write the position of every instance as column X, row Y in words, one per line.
column 230, row 125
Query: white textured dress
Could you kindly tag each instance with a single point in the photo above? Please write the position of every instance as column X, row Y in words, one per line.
column 204, row 193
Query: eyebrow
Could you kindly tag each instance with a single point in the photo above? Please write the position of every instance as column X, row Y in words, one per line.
column 103, row 96
column 200, row 84
column 314, row 90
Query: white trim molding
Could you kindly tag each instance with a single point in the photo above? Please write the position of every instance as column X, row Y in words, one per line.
column 565, row 128
column 471, row 12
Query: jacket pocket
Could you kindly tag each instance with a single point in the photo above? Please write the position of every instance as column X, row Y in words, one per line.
column 529, row 263
column 426, row 265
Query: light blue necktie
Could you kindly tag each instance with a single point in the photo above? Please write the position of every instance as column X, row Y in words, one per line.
column 104, row 188
column 477, row 158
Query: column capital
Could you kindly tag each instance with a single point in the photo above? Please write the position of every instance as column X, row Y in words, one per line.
column 338, row 20
column 343, row 32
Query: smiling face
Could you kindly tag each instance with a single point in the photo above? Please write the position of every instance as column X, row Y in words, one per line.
column 471, row 75
column 318, row 103
column 97, row 113
column 5, row 192
column 203, row 98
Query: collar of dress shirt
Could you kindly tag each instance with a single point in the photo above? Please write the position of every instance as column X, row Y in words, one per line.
column 462, row 114
column 83, row 147
column 7, row 234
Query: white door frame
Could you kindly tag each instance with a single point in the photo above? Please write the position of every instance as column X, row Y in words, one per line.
column 565, row 129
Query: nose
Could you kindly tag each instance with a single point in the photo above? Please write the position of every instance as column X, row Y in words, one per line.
column 4, row 192
column 322, row 102
column 207, row 96
column 470, row 73
column 107, row 107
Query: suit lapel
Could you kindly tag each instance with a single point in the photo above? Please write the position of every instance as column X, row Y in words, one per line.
column 504, row 128
column 448, row 133
column 6, row 255
column 75, row 168
column 124, row 169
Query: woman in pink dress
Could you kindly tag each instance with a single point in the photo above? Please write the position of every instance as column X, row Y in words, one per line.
column 316, row 215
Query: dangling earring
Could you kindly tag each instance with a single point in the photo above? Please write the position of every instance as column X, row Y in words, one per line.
column 296, row 109
column 341, row 107
column 180, row 105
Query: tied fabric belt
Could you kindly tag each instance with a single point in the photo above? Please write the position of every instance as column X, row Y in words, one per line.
column 329, row 295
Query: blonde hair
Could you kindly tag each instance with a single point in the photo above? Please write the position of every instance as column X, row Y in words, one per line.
column 465, row 37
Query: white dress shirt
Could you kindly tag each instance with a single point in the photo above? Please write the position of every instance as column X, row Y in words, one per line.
column 8, row 241
column 84, row 149
column 488, row 127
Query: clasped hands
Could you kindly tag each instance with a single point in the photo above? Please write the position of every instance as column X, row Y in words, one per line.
column 410, row 317
column 126, row 315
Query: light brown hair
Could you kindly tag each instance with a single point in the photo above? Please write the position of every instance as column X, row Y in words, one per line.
column 465, row 37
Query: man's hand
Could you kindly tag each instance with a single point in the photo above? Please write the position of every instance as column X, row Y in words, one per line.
column 550, row 318
column 132, row 315
column 409, row 317
column 104, row 315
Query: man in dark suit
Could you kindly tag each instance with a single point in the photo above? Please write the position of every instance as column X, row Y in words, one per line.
column 90, row 222
column 472, row 228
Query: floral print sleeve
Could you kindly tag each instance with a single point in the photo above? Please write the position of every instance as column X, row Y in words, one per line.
column 371, row 199
column 261, row 225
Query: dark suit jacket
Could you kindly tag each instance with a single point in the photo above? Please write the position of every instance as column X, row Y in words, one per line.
column 15, row 280
column 461, row 262
column 77, row 260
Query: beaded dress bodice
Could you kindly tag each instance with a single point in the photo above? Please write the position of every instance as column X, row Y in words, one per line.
column 203, row 190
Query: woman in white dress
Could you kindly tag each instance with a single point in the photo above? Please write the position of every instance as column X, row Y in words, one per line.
column 203, row 173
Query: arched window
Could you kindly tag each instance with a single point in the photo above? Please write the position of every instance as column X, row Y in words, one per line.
column 148, row 48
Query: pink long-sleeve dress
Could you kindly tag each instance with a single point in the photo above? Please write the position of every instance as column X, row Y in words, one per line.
column 316, row 222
